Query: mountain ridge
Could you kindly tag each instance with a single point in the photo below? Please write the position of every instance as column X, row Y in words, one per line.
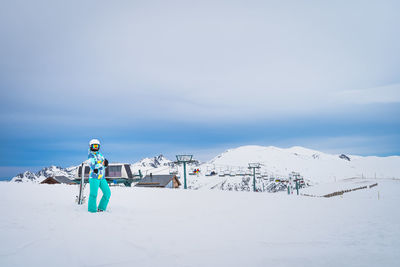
column 70, row 172
column 313, row 164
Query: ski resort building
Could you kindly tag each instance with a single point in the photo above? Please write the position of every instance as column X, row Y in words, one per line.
column 116, row 173
column 57, row 180
column 163, row 181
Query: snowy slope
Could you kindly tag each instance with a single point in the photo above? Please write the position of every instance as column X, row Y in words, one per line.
column 42, row 226
column 316, row 167
column 312, row 164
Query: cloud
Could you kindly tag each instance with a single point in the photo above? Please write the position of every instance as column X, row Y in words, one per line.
column 356, row 144
column 163, row 75
column 382, row 94
column 207, row 61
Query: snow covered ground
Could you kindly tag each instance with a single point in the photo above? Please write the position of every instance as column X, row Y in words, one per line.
column 41, row 225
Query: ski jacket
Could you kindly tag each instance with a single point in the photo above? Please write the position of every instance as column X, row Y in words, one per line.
column 96, row 162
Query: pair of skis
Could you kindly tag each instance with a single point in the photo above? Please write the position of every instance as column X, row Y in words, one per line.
column 80, row 198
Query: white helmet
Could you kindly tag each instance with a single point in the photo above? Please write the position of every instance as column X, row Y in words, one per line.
column 94, row 145
column 94, row 141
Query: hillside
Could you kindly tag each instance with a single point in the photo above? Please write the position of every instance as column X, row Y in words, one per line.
column 313, row 165
column 232, row 173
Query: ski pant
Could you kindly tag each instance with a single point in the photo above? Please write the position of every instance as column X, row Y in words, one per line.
column 94, row 188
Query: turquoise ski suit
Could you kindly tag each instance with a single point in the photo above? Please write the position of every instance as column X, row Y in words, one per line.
column 97, row 180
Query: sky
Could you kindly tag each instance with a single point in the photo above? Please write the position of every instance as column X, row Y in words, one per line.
column 199, row 77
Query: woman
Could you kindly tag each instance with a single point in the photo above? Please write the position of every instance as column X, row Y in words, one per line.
column 98, row 165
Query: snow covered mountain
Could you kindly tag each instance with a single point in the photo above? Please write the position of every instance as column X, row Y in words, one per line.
column 44, row 173
column 231, row 167
column 155, row 162
column 155, row 165
column 231, row 172
column 314, row 165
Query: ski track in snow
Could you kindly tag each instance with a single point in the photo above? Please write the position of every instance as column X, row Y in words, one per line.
column 117, row 263
column 19, row 248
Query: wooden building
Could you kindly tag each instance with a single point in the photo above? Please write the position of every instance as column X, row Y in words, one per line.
column 57, row 180
column 163, row 181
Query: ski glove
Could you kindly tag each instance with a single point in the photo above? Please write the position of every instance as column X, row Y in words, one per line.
column 96, row 171
column 105, row 162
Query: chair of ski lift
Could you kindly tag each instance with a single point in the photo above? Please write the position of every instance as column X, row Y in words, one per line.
column 227, row 172
column 173, row 170
column 208, row 171
column 240, row 172
column 211, row 173
column 195, row 172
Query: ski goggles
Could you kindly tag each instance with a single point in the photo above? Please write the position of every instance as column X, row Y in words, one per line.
column 95, row 147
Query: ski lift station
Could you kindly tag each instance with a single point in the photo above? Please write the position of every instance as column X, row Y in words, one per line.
column 116, row 173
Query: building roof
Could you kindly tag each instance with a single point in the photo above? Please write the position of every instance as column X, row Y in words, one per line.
column 59, row 179
column 63, row 179
column 156, row 180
